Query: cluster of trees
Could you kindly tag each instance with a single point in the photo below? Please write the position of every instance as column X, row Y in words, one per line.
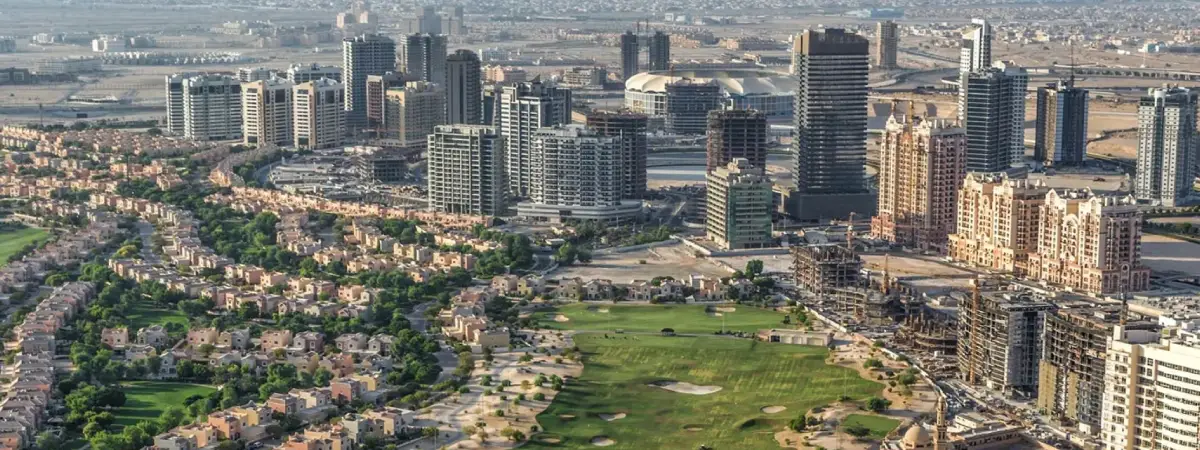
column 514, row 255
column 405, row 231
column 568, row 253
column 592, row 232
column 1180, row 228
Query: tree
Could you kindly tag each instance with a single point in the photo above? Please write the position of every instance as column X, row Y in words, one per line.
column 798, row 424
column 877, row 404
column 856, row 430
column 48, row 441
column 872, row 363
column 754, row 268
column 566, row 254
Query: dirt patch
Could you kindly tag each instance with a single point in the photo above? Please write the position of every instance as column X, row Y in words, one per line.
column 612, row 417
column 725, row 309
column 685, row 388
column 602, row 441
column 693, row 428
column 561, row 318
column 773, row 409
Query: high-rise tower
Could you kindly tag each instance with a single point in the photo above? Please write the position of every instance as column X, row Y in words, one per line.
column 994, row 116
column 736, row 133
column 466, row 170
column 368, row 54
column 1166, row 155
column 887, row 43
column 660, row 51
column 523, row 108
column 464, row 88
column 1061, row 132
column 423, row 57
column 631, row 128
column 630, row 49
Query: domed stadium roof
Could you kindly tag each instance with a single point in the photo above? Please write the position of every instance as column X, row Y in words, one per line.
column 732, row 81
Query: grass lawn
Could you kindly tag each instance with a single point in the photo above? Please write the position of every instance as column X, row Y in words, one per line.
column 12, row 241
column 879, row 426
column 146, row 313
column 652, row 318
column 146, row 400
column 752, row 375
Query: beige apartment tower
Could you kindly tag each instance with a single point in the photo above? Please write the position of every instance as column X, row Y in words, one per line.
column 267, row 112
column 739, row 206
column 1090, row 243
column 887, row 44
column 1150, row 394
column 998, row 222
column 922, row 164
column 412, row 112
column 318, row 108
column 466, row 170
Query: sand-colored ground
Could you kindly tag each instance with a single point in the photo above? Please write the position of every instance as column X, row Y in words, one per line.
column 1165, row 254
column 675, row 260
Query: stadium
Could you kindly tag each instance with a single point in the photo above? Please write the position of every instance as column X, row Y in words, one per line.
column 770, row 92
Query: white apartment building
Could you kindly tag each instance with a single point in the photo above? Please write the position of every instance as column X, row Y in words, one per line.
column 1152, row 391
column 466, row 170
column 303, row 73
column 319, row 114
column 411, row 113
column 575, row 173
column 212, row 107
column 267, row 112
column 1166, row 145
column 174, row 85
column 739, row 206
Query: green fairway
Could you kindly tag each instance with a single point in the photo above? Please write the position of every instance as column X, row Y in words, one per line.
column 879, row 426
column 752, row 375
column 146, row 400
column 146, row 313
column 652, row 318
column 13, row 241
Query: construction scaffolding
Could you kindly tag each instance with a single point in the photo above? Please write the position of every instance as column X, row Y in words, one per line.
column 820, row 269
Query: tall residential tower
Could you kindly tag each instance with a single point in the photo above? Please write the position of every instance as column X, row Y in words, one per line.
column 368, row 54
column 1166, row 154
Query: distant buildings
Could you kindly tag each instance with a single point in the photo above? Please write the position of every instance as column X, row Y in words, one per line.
column 993, row 113
column 303, row 73
column 1000, row 341
column 466, row 170
column 922, row 164
column 736, row 133
column 739, row 206
column 368, row 54
column 660, row 51
column 830, row 146
column 1061, row 129
column 267, row 112
column 975, row 53
column 1166, row 154
column 575, row 173
column 423, row 57
column 212, row 107
column 523, row 109
column 630, row 50
column 320, row 114
column 688, row 103
column 376, row 98
column 998, row 222
column 464, row 88
column 631, row 128
column 412, row 112
column 887, row 43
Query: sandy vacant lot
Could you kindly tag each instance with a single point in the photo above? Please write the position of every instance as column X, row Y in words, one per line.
column 673, row 261
column 1166, row 254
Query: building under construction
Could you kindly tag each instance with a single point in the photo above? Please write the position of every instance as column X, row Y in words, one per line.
column 1071, row 372
column 822, row 268
column 1000, row 340
column 869, row 307
column 930, row 339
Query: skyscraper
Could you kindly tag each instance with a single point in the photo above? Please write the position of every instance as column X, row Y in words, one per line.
column 887, row 43
column 1061, row 132
column 376, row 95
column 738, row 211
column 994, row 116
column 412, row 112
column 523, row 108
column 688, row 104
column 212, row 107
column 831, row 126
column 319, row 110
column 660, row 51
column 267, row 112
column 575, row 173
column 464, row 88
column 922, row 164
column 1166, row 145
column 631, row 128
column 423, row 57
column 976, row 51
column 736, row 133
column 466, row 170
column 368, row 54
column 175, row 103
column 630, row 50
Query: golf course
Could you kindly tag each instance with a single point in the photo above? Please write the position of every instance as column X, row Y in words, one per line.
column 640, row 391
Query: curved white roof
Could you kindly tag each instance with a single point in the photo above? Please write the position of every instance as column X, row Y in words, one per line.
column 732, row 81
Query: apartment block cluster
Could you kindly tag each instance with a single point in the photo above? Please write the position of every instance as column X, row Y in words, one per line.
column 24, row 408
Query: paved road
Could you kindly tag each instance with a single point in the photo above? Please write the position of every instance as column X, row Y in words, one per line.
column 146, row 233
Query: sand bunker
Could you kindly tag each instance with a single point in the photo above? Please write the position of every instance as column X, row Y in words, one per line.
column 551, row 440
column 602, row 441
column 603, row 310
column 612, row 417
column 566, row 416
column 726, row 309
column 714, row 314
column 685, row 388
column 693, row 428
column 561, row 318
column 773, row 409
